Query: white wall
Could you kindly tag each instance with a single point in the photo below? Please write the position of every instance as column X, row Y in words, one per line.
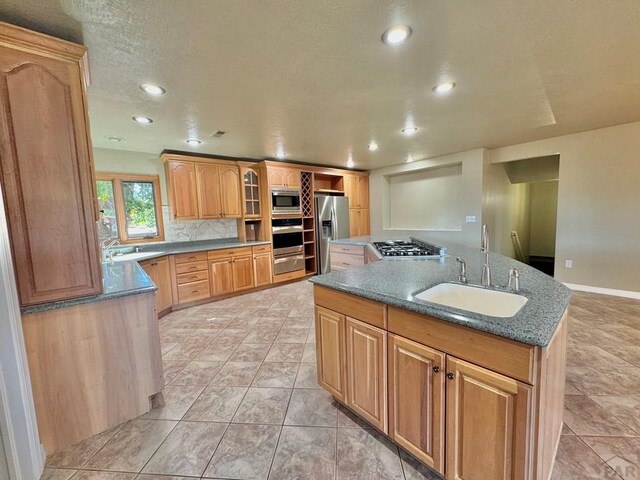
column 18, row 428
column 598, row 224
column 469, row 196
column 123, row 161
column 544, row 206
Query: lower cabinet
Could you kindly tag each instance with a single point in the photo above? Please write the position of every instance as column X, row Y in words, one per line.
column 262, row 264
column 416, row 399
column 221, row 273
column 242, row 268
column 487, row 423
column 366, row 367
column 464, row 421
column 330, row 352
column 159, row 271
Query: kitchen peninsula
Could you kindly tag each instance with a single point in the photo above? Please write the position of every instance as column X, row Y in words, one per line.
column 466, row 393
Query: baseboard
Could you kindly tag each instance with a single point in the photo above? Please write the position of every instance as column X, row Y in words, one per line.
column 604, row 291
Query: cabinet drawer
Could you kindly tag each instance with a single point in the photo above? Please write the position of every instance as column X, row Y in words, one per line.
column 228, row 252
column 193, row 291
column 341, row 260
column 261, row 248
column 346, row 249
column 191, row 267
column 191, row 257
column 193, row 277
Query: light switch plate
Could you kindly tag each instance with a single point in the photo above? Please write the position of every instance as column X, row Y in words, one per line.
column 568, row 263
column 471, row 219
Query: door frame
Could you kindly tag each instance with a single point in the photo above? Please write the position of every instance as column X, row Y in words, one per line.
column 18, row 426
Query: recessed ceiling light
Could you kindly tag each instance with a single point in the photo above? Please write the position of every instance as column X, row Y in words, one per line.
column 280, row 155
column 115, row 138
column 350, row 163
column 373, row 146
column 155, row 90
column 396, row 34
column 409, row 130
column 194, row 141
column 410, row 159
column 444, row 87
column 142, row 120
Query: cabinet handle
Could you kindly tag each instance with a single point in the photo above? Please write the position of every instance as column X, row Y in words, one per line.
column 192, row 258
column 193, row 277
column 450, row 376
column 194, row 291
column 193, row 268
column 154, row 264
column 436, row 369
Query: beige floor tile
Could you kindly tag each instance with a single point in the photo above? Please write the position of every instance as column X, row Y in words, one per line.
column 624, row 408
column 250, row 352
column 305, row 453
column 281, row 375
column 172, row 368
column 77, row 455
column 292, row 335
column 197, row 373
column 575, row 460
column 366, row 454
column 178, row 399
column 621, row 454
column 131, row 448
column 216, row 404
column 309, row 355
column 93, row 475
column 285, row 352
column 217, row 351
column 348, row 419
column 266, row 406
column 187, row 450
column 245, row 452
column 146, row 476
column 584, row 417
column 307, row 377
column 236, row 374
column 414, row 470
column 56, row 474
column 312, row 407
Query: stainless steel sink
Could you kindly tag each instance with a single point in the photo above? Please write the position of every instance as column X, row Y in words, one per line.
column 474, row 299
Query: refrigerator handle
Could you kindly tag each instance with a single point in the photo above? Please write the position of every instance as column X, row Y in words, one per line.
column 334, row 223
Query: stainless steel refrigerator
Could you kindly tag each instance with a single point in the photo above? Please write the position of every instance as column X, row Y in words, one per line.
column 332, row 222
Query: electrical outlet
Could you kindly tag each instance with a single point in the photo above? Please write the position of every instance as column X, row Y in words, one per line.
column 471, row 219
column 568, row 263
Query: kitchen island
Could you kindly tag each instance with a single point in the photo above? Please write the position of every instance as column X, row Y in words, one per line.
column 470, row 395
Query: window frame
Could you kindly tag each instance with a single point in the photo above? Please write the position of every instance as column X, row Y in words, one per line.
column 116, row 180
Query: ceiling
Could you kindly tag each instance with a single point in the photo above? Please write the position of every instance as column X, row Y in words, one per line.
column 314, row 77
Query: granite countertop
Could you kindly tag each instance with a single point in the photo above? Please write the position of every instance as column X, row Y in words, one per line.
column 118, row 280
column 395, row 282
column 126, row 277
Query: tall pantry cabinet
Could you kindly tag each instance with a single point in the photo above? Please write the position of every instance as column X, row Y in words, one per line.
column 46, row 166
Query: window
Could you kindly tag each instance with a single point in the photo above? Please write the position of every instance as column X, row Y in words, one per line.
column 130, row 207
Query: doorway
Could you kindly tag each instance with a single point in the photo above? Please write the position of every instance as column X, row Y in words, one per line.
column 533, row 198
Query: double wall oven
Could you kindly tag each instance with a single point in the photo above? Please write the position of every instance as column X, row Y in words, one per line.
column 288, row 245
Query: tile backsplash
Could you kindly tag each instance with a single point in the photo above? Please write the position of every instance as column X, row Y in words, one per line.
column 191, row 230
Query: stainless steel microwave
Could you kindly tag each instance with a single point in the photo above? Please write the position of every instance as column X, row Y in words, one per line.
column 285, row 201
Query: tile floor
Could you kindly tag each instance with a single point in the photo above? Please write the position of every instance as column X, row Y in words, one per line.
column 242, row 402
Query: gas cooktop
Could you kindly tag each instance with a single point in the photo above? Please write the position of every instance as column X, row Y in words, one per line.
column 413, row 248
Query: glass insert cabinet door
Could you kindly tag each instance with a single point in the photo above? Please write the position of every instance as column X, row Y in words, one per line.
column 251, row 194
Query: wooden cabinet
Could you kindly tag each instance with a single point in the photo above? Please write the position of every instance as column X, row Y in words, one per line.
column 358, row 222
column 459, row 416
column 330, row 352
column 231, row 194
column 251, row 185
column 488, row 424
column 242, row 268
column 356, row 187
column 416, row 399
column 221, row 273
column 202, row 189
column 160, row 273
column 209, row 192
column 366, row 365
column 46, row 165
column 181, row 183
column 280, row 177
column 262, row 269
column 343, row 257
column 191, row 277
column 363, row 192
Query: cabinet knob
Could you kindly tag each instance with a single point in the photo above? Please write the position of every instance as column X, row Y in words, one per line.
column 450, row 376
column 436, row 369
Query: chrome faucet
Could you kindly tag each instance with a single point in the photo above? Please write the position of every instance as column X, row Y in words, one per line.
column 462, row 278
column 106, row 247
column 486, row 269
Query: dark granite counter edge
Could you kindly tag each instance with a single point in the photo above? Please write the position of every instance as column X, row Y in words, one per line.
column 173, row 250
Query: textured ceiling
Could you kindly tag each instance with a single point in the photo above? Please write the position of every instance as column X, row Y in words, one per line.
column 314, row 76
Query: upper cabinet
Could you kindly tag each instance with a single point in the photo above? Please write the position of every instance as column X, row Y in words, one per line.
column 199, row 189
column 356, row 187
column 283, row 177
column 47, row 168
column 251, row 184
